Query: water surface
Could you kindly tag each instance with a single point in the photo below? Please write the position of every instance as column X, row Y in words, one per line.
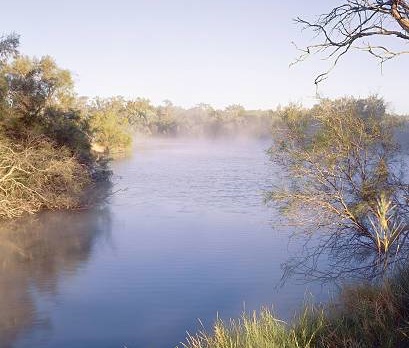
column 186, row 236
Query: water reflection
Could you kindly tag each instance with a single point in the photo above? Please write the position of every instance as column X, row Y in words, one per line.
column 35, row 253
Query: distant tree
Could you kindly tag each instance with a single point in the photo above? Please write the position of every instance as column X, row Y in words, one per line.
column 355, row 24
column 235, row 110
column 346, row 193
column 109, row 124
column 205, row 107
column 166, row 122
column 139, row 110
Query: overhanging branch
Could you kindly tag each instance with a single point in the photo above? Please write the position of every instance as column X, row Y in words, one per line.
column 346, row 26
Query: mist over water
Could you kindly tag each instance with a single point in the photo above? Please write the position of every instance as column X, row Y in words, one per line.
column 186, row 236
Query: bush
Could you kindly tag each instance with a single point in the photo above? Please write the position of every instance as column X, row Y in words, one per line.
column 341, row 188
column 37, row 174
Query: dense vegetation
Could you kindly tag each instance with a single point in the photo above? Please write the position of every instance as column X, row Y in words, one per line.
column 46, row 136
column 143, row 118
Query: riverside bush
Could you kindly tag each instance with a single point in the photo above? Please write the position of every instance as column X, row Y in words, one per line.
column 35, row 174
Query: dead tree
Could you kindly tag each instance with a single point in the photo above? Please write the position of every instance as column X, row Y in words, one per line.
column 356, row 24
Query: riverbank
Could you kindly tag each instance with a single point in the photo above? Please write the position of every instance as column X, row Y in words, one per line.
column 361, row 316
column 46, row 134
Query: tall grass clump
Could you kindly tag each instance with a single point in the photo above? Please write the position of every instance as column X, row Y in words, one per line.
column 362, row 316
column 261, row 330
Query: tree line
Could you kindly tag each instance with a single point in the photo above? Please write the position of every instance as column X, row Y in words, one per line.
column 141, row 117
column 54, row 144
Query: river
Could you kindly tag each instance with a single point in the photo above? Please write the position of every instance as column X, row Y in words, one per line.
column 185, row 236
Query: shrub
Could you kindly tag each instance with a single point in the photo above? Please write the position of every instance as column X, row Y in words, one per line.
column 36, row 174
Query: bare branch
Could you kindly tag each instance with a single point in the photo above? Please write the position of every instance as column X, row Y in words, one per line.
column 346, row 26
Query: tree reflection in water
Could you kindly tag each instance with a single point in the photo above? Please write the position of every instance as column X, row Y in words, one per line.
column 34, row 252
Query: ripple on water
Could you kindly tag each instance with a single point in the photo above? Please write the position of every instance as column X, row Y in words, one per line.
column 186, row 236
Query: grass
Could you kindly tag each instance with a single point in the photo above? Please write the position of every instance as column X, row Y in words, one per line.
column 362, row 316
column 261, row 330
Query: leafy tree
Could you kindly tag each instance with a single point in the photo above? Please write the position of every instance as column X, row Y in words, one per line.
column 346, row 193
column 139, row 111
column 34, row 85
column 45, row 158
column 41, row 100
column 166, row 123
column 109, row 124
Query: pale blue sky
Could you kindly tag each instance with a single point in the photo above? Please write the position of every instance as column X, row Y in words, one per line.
column 212, row 51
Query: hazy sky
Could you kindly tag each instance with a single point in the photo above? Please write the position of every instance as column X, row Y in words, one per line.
column 212, row 51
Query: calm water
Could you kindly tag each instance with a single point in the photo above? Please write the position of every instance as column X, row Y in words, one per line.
column 186, row 237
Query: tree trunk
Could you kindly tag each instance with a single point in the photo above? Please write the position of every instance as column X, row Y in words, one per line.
column 402, row 21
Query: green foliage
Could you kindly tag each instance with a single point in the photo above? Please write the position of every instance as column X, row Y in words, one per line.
column 40, row 100
column 139, row 114
column 109, row 124
column 342, row 185
column 46, row 159
column 69, row 128
column 33, row 86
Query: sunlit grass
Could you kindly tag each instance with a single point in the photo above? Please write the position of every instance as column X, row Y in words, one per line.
column 261, row 330
column 362, row 316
